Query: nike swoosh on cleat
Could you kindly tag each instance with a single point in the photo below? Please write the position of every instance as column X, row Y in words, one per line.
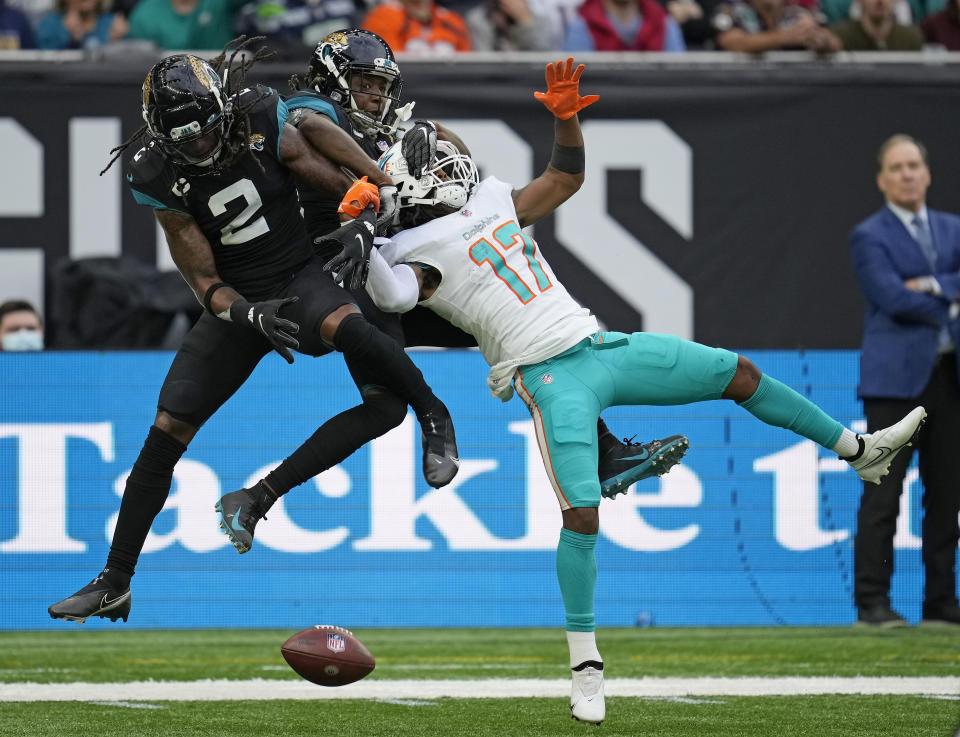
column 236, row 518
column 105, row 603
column 881, row 452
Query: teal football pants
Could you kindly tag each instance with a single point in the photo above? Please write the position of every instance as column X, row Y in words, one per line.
column 566, row 394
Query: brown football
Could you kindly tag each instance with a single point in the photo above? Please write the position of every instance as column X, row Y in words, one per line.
column 328, row 655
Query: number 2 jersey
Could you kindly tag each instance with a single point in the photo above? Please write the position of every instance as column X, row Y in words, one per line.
column 495, row 284
column 249, row 213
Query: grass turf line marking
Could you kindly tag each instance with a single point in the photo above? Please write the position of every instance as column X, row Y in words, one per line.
column 259, row 689
column 127, row 704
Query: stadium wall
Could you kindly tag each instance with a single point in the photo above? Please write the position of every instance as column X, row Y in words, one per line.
column 753, row 528
column 719, row 193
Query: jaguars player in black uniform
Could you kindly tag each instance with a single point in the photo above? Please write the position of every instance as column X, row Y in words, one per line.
column 354, row 83
column 218, row 167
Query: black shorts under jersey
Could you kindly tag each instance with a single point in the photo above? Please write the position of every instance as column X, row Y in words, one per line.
column 217, row 356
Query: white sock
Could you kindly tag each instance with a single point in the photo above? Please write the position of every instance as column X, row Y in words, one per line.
column 847, row 445
column 583, row 646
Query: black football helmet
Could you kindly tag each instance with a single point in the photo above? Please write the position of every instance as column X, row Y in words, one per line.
column 346, row 56
column 186, row 111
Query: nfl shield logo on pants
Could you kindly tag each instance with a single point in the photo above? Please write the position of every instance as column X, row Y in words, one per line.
column 547, row 378
column 335, row 642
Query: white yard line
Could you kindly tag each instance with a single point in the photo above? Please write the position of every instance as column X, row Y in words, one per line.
column 259, row 689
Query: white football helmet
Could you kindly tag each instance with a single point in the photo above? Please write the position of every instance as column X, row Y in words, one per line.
column 444, row 187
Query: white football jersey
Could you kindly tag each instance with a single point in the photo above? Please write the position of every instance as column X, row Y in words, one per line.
column 496, row 284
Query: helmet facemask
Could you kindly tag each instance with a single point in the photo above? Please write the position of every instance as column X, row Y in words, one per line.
column 444, row 188
column 193, row 144
column 359, row 82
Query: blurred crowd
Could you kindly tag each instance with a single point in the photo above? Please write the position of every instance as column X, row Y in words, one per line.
column 443, row 27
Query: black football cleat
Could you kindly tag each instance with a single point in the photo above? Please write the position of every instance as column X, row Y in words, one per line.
column 97, row 599
column 239, row 513
column 627, row 463
column 441, row 460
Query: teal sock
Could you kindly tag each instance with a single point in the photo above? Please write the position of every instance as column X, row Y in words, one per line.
column 577, row 573
column 779, row 405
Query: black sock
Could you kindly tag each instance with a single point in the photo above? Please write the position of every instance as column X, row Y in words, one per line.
column 144, row 496
column 267, row 497
column 379, row 355
column 338, row 438
column 119, row 580
column 605, row 439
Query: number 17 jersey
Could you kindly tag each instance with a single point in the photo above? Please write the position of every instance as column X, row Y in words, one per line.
column 496, row 284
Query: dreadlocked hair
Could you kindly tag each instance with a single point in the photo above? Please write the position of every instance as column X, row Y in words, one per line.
column 411, row 217
column 233, row 76
column 117, row 151
column 296, row 84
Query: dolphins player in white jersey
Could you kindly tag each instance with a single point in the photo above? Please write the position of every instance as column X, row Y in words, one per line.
column 465, row 256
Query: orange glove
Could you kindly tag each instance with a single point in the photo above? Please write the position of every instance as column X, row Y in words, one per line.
column 360, row 194
column 562, row 97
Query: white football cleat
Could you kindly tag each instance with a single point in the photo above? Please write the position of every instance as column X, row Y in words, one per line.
column 586, row 697
column 878, row 449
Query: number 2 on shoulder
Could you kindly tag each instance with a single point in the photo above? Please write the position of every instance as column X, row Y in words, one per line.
column 508, row 235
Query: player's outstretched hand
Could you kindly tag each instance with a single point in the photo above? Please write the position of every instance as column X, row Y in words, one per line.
column 419, row 146
column 356, row 241
column 263, row 317
column 562, row 97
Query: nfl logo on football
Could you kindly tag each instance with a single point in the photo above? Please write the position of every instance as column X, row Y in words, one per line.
column 335, row 642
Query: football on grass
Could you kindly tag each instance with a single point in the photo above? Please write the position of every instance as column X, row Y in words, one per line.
column 328, row 655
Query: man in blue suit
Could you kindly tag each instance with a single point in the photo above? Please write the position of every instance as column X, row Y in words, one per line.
column 907, row 260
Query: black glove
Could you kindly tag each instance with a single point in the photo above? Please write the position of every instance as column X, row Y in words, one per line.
column 419, row 146
column 262, row 317
column 356, row 241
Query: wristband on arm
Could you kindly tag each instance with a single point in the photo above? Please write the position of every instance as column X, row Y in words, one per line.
column 568, row 159
column 208, row 296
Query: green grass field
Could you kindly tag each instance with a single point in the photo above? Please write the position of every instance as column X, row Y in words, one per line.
column 74, row 656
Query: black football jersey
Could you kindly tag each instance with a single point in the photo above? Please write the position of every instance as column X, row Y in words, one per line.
column 249, row 212
column 319, row 210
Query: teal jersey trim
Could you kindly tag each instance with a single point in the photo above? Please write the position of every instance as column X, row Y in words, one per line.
column 143, row 199
column 317, row 105
column 283, row 112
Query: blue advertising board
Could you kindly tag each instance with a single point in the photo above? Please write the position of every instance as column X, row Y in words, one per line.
column 755, row 527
